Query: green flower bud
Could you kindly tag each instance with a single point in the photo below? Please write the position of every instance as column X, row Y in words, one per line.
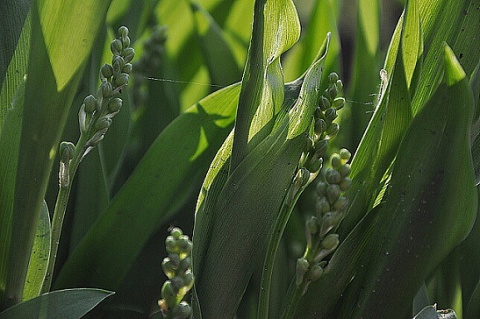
column 121, row 79
column 182, row 311
column 114, row 105
column 184, row 245
column 333, row 129
column 169, row 268
column 345, row 184
column 320, row 126
column 123, row 31
column 106, row 88
column 118, row 63
column 321, row 147
column 311, row 228
column 96, row 138
column 103, row 124
column 184, row 265
column 341, row 204
column 315, row 163
column 90, row 104
column 106, row 71
column 177, row 283
column 171, row 244
column 176, row 233
column 333, row 91
column 339, row 85
column 67, row 149
column 331, row 114
column 125, row 41
column 339, row 103
column 333, row 78
column 302, row 267
column 188, row 279
column 169, row 294
column 324, row 103
column 127, row 68
column 116, row 47
column 321, row 189
column 345, row 170
column 345, row 154
column 175, row 258
column 315, row 273
column 332, row 176
column 329, row 244
column 333, row 192
column 322, row 206
column 82, row 119
column 128, row 54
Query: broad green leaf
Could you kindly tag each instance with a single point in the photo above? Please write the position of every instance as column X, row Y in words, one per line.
column 275, row 29
column 61, row 304
column 455, row 22
column 69, row 37
column 44, row 113
column 431, row 201
column 218, row 55
column 168, row 173
column 16, row 65
column 386, row 128
column 37, row 267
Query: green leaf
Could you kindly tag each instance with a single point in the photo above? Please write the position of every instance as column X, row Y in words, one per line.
column 37, row 267
column 275, row 29
column 217, row 53
column 167, row 175
column 430, row 204
column 62, row 304
column 69, row 37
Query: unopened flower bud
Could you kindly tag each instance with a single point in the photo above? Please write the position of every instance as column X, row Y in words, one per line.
column 336, row 160
column 330, row 242
column 185, row 264
column 345, row 170
column 118, row 63
column 332, row 176
column 66, row 151
column 123, row 31
column 128, row 53
column 107, row 89
column 103, row 124
column 341, row 204
column 321, row 189
column 127, row 68
column 116, row 47
column 168, row 293
column 302, row 267
column 333, row 91
column 324, row 103
column 315, row 273
column 121, row 79
column 333, row 77
column 339, row 85
column 182, row 311
column 329, row 221
column 90, row 104
column 320, row 126
column 106, row 70
column 322, row 206
column 333, row 192
column 312, row 225
column 168, row 267
column 339, row 103
column 333, row 129
column 330, row 114
column 171, row 244
column 188, row 279
column 345, row 154
column 114, row 105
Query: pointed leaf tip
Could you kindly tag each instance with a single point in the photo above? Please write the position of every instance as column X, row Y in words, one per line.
column 454, row 72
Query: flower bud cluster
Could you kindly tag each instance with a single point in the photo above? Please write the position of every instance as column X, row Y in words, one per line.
column 178, row 268
column 149, row 63
column 96, row 113
column 324, row 129
column 330, row 208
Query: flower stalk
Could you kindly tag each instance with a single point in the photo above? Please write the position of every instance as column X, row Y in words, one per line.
column 95, row 117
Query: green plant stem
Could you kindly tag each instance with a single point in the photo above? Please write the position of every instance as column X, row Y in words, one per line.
column 294, row 295
column 60, row 209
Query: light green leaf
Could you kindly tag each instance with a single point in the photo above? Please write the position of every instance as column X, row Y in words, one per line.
column 168, row 173
column 37, row 267
column 62, row 304
column 69, row 37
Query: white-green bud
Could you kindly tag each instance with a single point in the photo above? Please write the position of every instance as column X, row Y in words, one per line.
column 128, row 53
column 341, row 204
column 324, row 103
column 121, row 79
column 114, row 105
column 103, row 124
column 332, row 176
column 330, row 242
column 333, row 192
column 329, row 221
column 169, row 268
column 333, row 77
column 123, row 31
column 336, row 161
column 106, row 71
column 339, row 103
column 321, row 189
column 331, row 114
column 168, row 293
column 188, row 279
column 322, row 206
column 90, row 104
column 116, row 47
column 301, row 269
column 127, row 68
column 320, row 126
column 118, row 63
column 315, row 272
column 182, row 311
column 345, row 154
column 339, row 85
column 344, row 170
column 106, row 88
column 333, row 129
column 333, row 91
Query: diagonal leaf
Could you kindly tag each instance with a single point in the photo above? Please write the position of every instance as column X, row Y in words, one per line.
column 62, row 304
column 37, row 267
column 168, row 173
column 275, row 29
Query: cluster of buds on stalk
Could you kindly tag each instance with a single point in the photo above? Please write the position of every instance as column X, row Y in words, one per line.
column 330, row 208
column 149, row 63
column 96, row 113
column 178, row 268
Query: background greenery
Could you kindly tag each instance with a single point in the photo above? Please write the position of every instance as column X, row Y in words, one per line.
column 178, row 110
